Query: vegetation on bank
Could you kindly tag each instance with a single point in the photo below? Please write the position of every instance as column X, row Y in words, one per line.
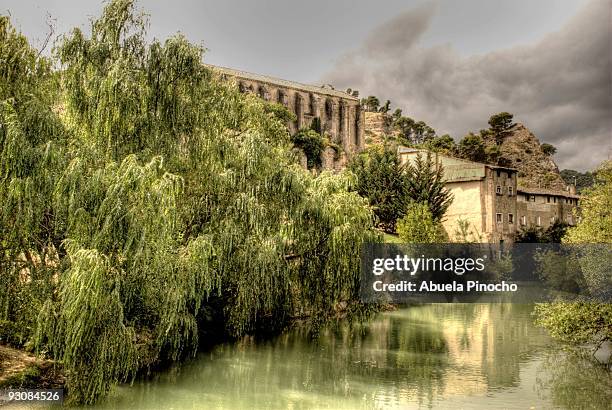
column 588, row 321
column 393, row 188
column 144, row 201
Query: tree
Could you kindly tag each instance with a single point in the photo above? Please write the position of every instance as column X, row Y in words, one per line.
column 419, row 226
column 386, row 107
column 548, row 149
column 405, row 127
column 421, row 132
column 537, row 234
column 425, row 184
column 381, row 179
column 500, row 124
column 371, row 103
column 146, row 196
column 472, row 148
column 444, row 143
column 581, row 180
column 588, row 321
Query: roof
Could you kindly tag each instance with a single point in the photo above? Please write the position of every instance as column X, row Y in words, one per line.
column 282, row 83
column 457, row 169
column 543, row 191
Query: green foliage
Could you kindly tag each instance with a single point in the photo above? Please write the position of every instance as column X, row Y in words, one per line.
column 371, row 103
column 472, row 148
column 311, row 142
column 31, row 153
column 413, row 132
column 381, row 179
column 466, row 233
column 581, row 180
column 280, row 112
column 580, row 322
column 537, row 234
column 500, row 124
column 425, row 184
column 576, row 322
column 420, row 226
column 386, row 107
column 548, row 149
column 596, row 210
column 444, row 144
column 146, row 192
column 561, row 270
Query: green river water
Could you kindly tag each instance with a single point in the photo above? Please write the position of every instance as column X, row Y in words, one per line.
column 447, row 356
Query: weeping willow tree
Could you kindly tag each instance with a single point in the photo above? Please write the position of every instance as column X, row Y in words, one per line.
column 31, row 151
column 165, row 196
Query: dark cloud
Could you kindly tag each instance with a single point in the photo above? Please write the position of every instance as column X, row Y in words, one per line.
column 559, row 87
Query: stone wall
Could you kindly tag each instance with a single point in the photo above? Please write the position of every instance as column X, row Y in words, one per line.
column 340, row 114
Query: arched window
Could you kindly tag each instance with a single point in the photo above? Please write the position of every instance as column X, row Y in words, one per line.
column 311, row 104
column 262, row 92
column 328, row 109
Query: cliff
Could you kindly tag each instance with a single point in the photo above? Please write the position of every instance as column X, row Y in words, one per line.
column 522, row 150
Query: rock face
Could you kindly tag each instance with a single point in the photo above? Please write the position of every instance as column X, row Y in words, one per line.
column 521, row 149
column 378, row 126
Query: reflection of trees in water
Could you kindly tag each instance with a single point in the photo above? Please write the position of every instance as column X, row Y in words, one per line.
column 426, row 355
column 573, row 381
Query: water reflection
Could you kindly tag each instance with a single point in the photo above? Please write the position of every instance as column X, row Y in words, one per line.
column 433, row 356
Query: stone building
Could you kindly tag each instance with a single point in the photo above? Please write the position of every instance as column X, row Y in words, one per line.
column 488, row 203
column 542, row 207
column 484, row 198
column 340, row 113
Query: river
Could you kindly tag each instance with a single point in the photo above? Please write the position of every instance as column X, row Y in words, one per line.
column 448, row 356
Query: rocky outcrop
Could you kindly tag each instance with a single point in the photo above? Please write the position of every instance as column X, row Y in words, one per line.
column 378, row 128
column 522, row 150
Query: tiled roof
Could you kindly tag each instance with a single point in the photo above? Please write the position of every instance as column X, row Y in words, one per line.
column 542, row 191
column 282, row 83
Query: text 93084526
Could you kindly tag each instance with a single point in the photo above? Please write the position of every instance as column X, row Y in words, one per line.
column 31, row 395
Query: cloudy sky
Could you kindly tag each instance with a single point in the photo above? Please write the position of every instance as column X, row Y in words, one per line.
column 451, row 63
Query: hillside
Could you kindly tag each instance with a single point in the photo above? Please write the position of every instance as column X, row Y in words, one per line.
column 519, row 148
column 522, row 150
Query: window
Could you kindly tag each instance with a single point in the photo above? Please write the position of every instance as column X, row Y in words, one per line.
column 548, row 199
column 526, row 197
column 510, row 218
column 328, row 109
column 498, row 218
column 498, row 174
column 510, row 191
column 498, row 190
column 532, row 198
column 555, row 199
column 539, row 221
column 523, row 220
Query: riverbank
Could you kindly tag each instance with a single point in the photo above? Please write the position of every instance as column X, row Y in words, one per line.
column 19, row 369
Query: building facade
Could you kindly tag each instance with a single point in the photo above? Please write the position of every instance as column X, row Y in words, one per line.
column 543, row 207
column 488, row 206
column 340, row 114
column 484, row 198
